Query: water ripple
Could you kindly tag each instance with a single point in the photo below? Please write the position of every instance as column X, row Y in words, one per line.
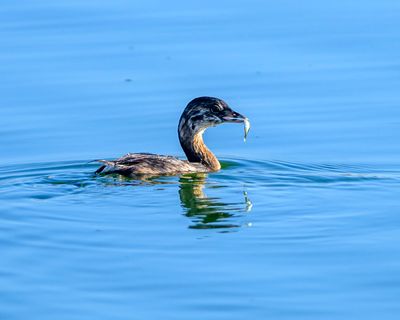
column 286, row 174
column 75, row 175
column 219, row 200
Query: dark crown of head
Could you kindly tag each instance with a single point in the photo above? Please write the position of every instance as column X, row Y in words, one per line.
column 211, row 103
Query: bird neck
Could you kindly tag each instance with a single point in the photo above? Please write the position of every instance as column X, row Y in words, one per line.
column 196, row 151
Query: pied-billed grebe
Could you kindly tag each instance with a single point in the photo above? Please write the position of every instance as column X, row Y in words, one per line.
column 200, row 114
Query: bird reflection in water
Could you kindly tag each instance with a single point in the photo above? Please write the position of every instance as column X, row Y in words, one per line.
column 207, row 212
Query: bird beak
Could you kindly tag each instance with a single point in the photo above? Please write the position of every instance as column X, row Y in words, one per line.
column 234, row 117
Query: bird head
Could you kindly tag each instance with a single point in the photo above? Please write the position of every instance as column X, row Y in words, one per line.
column 204, row 112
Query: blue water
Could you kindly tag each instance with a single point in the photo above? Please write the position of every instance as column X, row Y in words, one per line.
column 303, row 220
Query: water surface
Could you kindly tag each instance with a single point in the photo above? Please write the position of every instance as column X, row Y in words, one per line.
column 302, row 221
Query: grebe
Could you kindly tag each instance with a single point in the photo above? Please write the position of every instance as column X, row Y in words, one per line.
column 200, row 114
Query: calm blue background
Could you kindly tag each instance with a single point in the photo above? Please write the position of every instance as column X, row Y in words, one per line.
column 301, row 223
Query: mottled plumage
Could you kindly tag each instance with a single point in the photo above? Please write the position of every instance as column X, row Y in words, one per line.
column 149, row 164
column 200, row 114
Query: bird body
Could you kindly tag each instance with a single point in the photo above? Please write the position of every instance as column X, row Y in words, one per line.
column 200, row 114
column 133, row 164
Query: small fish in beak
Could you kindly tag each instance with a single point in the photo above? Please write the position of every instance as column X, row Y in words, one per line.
column 246, row 128
column 234, row 117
